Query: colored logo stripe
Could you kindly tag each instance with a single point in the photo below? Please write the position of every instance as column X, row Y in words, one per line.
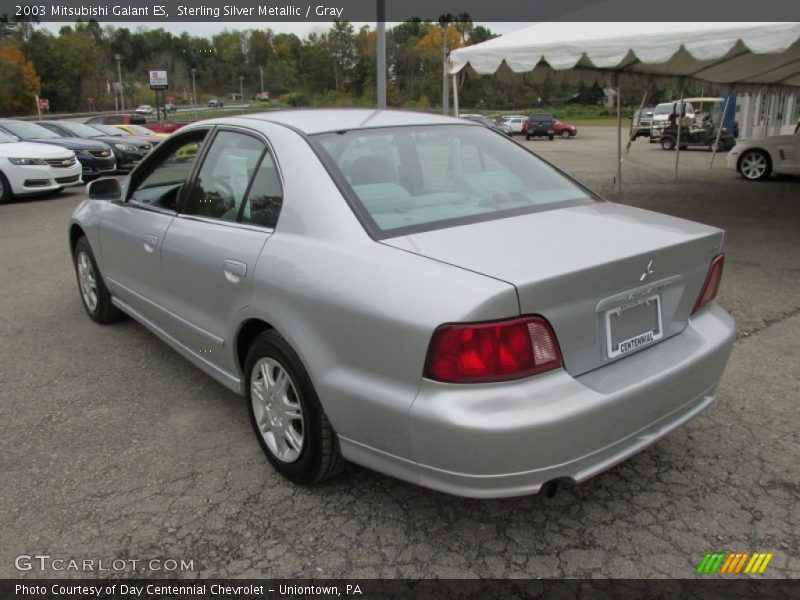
column 734, row 563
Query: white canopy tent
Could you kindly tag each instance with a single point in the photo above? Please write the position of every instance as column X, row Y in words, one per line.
column 744, row 55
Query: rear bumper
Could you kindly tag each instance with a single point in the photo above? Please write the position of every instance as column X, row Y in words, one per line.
column 498, row 440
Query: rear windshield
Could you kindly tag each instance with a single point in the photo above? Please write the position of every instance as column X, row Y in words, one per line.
column 409, row 179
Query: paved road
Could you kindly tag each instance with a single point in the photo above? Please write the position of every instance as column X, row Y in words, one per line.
column 111, row 446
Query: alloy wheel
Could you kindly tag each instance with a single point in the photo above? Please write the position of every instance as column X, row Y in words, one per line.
column 754, row 165
column 87, row 281
column 277, row 409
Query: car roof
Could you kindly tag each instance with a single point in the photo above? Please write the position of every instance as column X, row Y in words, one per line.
column 312, row 121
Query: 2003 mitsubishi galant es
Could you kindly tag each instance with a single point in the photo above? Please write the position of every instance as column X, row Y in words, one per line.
column 413, row 293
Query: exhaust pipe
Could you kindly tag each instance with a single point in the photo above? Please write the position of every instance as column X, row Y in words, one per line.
column 549, row 488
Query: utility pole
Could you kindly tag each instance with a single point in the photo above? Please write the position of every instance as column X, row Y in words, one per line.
column 118, row 60
column 261, row 73
column 241, row 88
column 381, row 51
column 194, row 95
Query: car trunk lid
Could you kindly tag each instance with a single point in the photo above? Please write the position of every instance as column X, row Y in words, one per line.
column 601, row 274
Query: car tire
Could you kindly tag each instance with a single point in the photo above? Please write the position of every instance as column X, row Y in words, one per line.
column 95, row 296
column 292, row 429
column 667, row 143
column 6, row 193
column 551, row 137
column 565, row 135
column 719, row 146
column 527, row 138
column 755, row 165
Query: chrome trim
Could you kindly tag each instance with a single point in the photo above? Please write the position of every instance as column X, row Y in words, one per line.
column 235, row 224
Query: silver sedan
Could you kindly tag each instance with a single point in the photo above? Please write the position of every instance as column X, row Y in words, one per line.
column 416, row 294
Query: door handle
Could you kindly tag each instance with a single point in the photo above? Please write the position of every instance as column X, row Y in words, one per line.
column 235, row 270
column 150, row 242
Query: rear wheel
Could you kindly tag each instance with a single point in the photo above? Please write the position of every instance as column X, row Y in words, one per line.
column 565, row 134
column 754, row 165
column 550, row 137
column 286, row 414
column 667, row 142
column 6, row 195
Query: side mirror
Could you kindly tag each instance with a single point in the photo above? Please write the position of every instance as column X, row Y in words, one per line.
column 104, row 189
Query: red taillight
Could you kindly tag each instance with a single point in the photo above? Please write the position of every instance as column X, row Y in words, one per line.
column 711, row 285
column 496, row 351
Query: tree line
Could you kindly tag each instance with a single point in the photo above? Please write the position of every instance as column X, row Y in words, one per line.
column 336, row 67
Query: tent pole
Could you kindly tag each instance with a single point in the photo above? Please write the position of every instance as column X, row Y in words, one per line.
column 641, row 106
column 681, row 110
column 719, row 127
column 619, row 135
column 455, row 94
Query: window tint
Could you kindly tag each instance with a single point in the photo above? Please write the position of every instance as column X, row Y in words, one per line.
column 266, row 196
column 220, row 186
column 421, row 178
column 161, row 184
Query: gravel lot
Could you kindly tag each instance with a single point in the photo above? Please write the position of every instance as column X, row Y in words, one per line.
column 112, row 446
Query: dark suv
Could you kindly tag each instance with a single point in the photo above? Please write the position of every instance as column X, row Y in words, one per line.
column 541, row 125
column 96, row 157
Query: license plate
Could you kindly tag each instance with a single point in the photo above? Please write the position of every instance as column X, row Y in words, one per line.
column 633, row 325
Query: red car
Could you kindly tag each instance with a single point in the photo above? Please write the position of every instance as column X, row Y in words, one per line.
column 560, row 129
column 157, row 127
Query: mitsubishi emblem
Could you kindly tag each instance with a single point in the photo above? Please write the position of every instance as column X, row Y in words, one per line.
column 647, row 272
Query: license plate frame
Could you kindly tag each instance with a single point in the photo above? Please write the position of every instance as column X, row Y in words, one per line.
column 640, row 340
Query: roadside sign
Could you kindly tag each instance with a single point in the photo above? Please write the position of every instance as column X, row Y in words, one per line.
column 158, row 80
column 44, row 104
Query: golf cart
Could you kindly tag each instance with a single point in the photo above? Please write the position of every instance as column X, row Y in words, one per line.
column 703, row 134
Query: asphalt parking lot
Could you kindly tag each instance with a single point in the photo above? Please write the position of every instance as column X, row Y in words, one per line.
column 112, row 446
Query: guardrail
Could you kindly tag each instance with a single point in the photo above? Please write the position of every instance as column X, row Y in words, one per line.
column 106, row 113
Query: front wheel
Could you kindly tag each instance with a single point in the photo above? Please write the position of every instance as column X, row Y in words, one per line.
column 6, row 194
column 754, row 165
column 667, row 143
column 550, row 137
column 565, row 134
column 286, row 414
column 94, row 294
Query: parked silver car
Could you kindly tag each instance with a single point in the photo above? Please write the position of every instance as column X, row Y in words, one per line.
column 412, row 293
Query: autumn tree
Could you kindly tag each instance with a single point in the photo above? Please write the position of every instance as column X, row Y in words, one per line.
column 19, row 83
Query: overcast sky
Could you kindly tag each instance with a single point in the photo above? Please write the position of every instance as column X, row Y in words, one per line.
column 301, row 29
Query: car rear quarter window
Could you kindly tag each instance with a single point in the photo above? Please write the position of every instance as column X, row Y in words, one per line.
column 265, row 197
column 407, row 179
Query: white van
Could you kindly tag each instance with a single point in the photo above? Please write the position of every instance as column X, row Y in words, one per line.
column 661, row 116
